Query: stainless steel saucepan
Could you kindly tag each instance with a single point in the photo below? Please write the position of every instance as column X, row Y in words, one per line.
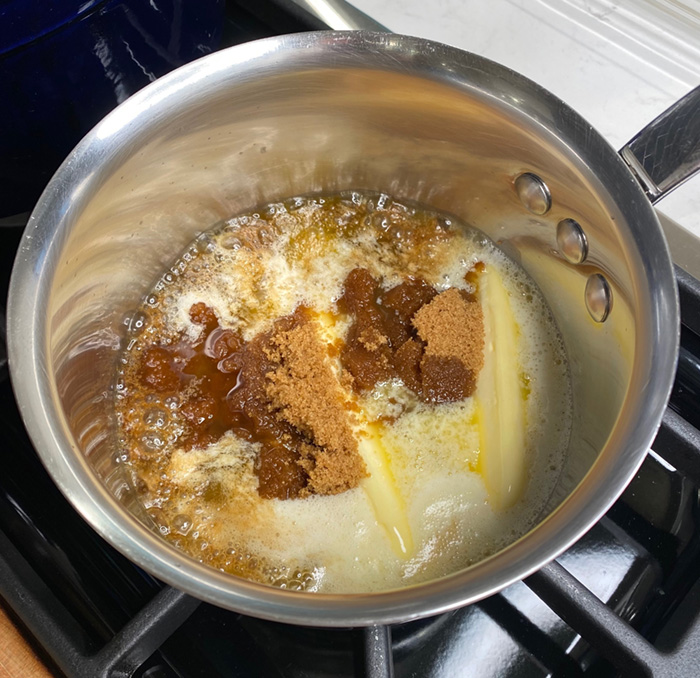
column 330, row 111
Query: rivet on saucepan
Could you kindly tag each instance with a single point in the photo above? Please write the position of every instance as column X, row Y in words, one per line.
column 533, row 193
column 572, row 241
column 598, row 297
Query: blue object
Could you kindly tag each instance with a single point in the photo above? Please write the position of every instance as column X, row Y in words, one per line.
column 65, row 64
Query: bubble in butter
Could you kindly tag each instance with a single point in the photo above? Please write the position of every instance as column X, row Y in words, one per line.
column 449, row 483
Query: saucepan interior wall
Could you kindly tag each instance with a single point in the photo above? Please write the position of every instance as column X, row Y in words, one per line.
column 180, row 165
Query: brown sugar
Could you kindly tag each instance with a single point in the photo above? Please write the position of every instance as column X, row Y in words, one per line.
column 303, row 391
column 433, row 342
column 407, row 361
column 367, row 352
column 452, row 327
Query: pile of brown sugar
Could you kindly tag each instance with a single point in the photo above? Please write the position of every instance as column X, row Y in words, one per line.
column 433, row 342
column 304, row 392
column 452, row 327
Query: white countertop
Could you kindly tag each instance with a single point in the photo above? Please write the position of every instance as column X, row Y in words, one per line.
column 619, row 63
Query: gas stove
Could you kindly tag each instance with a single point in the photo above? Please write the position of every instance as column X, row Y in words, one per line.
column 624, row 600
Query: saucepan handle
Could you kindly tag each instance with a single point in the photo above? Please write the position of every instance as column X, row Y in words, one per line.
column 667, row 151
column 340, row 15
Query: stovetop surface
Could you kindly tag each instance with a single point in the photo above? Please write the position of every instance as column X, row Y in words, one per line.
column 642, row 559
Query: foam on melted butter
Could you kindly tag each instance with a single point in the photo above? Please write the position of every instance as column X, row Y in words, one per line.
column 426, row 510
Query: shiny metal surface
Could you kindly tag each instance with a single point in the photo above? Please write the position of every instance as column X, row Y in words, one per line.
column 533, row 193
column 333, row 111
column 667, row 151
column 571, row 241
column 598, row 297
column 340, row 15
